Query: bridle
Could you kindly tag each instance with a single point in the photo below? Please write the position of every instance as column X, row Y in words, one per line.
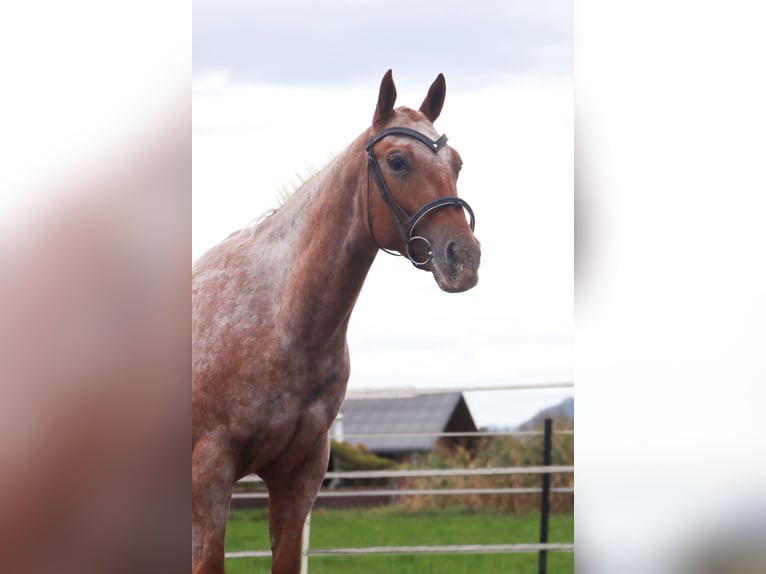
column 393, row 205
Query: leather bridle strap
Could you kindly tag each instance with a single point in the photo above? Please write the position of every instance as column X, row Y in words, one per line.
column 433, row 145
column 393, row 205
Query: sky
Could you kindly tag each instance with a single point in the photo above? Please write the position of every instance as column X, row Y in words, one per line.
column 280, row 87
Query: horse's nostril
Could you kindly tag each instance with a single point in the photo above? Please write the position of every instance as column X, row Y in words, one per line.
column 451, row 251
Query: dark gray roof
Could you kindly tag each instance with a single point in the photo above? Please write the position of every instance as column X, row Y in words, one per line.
column 417, row 413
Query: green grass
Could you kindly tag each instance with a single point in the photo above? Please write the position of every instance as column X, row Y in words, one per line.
column 389, row 526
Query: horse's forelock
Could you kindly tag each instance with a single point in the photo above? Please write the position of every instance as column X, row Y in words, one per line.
column 414, row 119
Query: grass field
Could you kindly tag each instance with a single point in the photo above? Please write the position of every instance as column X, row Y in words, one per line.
column 389, row 526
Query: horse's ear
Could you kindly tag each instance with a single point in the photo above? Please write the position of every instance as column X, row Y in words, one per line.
column 386, row 100
column 432, row 105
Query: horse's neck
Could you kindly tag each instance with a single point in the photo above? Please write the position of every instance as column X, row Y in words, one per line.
column 329, row 250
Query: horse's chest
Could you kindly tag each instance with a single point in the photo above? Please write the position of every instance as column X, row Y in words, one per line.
column 293, row 411
column 321, row 379
column 302, row 385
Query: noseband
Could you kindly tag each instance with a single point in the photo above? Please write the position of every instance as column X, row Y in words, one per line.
column 394, row 207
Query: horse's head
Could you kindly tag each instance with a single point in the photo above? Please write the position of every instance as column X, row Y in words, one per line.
column 417, row 211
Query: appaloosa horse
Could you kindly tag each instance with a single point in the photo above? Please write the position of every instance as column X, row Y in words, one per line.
column 271, row 305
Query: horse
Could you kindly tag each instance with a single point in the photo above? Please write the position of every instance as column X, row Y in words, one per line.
column 271, row 306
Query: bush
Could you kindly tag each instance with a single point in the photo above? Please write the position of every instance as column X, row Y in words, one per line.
column 492, row 452
column 356, row 457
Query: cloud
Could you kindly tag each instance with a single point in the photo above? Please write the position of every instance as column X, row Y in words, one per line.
column 300, row 42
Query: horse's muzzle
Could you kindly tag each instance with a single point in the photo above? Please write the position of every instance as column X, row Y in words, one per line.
column 455, row 264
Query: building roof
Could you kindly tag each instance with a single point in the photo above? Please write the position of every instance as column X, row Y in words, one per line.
column 426, row 413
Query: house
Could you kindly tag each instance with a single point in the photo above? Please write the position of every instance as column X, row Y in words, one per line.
column 398, row 415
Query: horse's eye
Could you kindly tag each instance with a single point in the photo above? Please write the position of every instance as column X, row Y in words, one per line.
column 397, row 163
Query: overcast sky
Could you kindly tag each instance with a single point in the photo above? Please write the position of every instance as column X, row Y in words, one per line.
column 280, row 87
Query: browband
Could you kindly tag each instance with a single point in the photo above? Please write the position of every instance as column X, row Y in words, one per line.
column 433, row 145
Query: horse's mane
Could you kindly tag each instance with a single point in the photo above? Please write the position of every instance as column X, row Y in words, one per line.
column 288, row 190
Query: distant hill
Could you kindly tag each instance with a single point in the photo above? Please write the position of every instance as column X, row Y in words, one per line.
column 562, row 413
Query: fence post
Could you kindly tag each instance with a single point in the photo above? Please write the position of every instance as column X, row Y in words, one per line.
column 305, row 544
column 338, row 437
column 545, row 505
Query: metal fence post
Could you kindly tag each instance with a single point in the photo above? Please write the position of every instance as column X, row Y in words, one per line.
column 545, row 503
column 305, row 544
column 337, row 437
